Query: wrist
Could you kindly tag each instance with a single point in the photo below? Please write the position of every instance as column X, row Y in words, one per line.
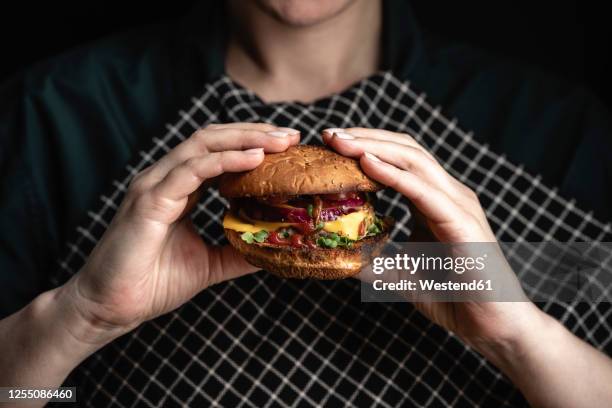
column 81, row 322
column 72, row 337
column 47, row 339
column 44, row 342
column 526, row 338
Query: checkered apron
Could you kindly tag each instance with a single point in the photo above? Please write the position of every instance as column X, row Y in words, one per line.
column 263, row 341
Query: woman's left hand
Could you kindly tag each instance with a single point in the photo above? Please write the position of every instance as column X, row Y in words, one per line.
column 451, row 213
column 449, row 208
column 550, row 365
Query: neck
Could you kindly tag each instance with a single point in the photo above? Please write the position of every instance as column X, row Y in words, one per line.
column 283, row 62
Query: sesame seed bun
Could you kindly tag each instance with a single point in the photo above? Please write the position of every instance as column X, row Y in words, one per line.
column 301, row 169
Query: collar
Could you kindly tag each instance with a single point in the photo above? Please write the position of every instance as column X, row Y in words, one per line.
column 205, row 28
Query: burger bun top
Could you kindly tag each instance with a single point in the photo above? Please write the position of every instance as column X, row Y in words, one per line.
column 301, row 169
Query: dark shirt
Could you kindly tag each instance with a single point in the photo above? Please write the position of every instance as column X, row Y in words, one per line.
column 69, row 125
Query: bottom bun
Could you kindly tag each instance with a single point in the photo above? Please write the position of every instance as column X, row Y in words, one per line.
column 309, row 263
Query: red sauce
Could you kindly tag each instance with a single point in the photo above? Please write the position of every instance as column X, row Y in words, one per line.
column 362, row 230
column 306, row 228
column 310, row 243
column 275, row 238
column 297, row 240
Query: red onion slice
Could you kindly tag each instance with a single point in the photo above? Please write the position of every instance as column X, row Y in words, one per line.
column 331, row 209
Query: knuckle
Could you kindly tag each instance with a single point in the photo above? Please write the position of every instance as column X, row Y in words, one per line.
column 426, row 153
column 471, row 218
column 142, row 202
column 215, row 158
column 267, row 127
column 476, row 224
column 471, row 194
column 408, row 159
column 419, row 154
column 193, row 165
column 397, row 181
column 406, row 163
column 429, row 156
column 418, row 196
column 149, row 205
column 192, row 162
column 199, row 135
column 250, row 133
column 407, row 136
column 247, row 137
column 200, row 140
column 221, row 157
column 215, row 164
column 138, row 184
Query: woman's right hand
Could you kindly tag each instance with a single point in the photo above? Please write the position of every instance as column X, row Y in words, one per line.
column 151, row 259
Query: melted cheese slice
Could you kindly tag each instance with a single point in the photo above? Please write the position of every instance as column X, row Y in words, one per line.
column 237, row 224
column 347, row 225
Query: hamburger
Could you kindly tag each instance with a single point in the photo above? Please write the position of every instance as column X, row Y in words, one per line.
column 304, row 213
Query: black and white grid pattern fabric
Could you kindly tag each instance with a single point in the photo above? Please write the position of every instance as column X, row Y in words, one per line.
column 262, row 341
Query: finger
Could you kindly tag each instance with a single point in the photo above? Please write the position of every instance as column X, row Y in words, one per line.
column 241, row 139
column 217, row 140
column 184, row 179
column 401, row 156
column 377, row 134
column 227, row 263
column 405, row 157
column 435, row 205
column 263, row 127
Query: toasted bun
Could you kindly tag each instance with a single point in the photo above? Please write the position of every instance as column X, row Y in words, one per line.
column 309, row 263
column 301, row 169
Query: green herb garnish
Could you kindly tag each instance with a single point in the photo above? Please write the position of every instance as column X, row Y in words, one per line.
column 259, row 236
column 320, row 225
column 345, row 242
column 334, row 240
column 375, row 228
column 309, row 209
column 247, row 237
column 326, row 242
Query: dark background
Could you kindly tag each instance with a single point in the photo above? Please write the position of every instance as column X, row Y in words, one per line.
column 568, row 38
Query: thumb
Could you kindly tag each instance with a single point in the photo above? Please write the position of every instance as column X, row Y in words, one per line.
column 227, row 263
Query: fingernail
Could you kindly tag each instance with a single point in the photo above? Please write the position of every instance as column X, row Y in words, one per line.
column 331, row 131
column 290, row 131
column 370, row 156
column 343, row 135
column 277, row 134
column 257, row 150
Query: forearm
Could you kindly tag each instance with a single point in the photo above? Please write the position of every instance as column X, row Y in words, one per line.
column 44, row 342
column 552, row 367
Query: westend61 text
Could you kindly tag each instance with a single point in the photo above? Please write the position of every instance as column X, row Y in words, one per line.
column 431, row 285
